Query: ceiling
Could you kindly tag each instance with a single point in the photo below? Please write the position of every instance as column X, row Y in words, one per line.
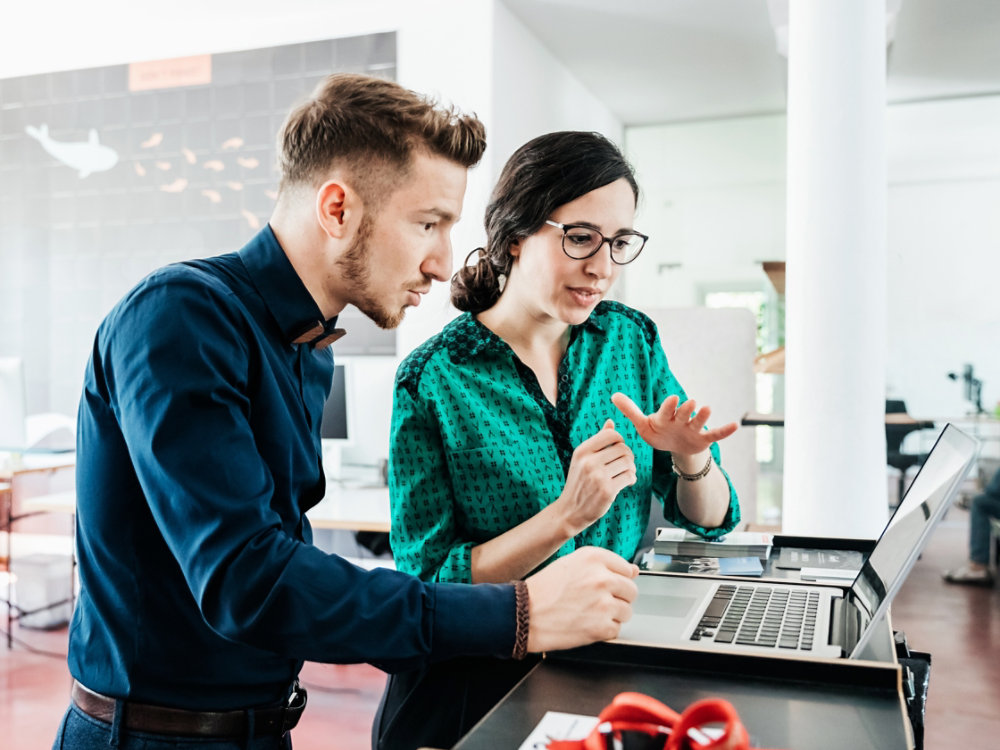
column 657, row 61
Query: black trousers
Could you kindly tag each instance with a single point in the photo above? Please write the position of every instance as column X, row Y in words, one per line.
column 436, row 706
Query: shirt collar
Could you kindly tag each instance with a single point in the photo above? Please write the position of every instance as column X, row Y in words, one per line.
column 283, row 292
column 598, row 319
column 468, row 338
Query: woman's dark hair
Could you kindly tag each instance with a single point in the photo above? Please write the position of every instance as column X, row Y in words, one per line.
column 545, row 173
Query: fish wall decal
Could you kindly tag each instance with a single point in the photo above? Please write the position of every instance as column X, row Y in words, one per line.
column 86, row 157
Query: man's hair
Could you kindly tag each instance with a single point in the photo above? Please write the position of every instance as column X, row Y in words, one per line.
column 371, row 127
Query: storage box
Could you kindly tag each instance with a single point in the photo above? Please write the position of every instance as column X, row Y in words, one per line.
column 43, row 588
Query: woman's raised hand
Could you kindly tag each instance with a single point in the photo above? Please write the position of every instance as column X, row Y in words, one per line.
column 671, row 427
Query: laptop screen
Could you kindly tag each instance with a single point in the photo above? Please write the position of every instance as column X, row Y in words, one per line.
column 923, row 505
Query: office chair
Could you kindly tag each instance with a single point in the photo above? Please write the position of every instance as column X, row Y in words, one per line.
column 894, row 434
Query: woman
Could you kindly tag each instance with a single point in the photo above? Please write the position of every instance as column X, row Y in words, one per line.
column 542, row 419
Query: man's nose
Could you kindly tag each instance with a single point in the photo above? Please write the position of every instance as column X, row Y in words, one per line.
column 437, row 265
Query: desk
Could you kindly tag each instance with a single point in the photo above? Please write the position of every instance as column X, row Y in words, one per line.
column 805, row 704
column 31, row 463
column 26, row 491
column 828, row 704
column 756, row 419
column 359, row 508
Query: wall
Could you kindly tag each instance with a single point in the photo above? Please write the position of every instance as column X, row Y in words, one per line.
column 494, row 68
column 193, row 172
column 715, row 208
column 534, row 93
column 30, row 44
column 944, row 252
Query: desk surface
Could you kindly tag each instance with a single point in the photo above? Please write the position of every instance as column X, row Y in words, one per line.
column 752, row 419
column 11, row 464
column 56, row 502
column 352, row 508
column 826, row 704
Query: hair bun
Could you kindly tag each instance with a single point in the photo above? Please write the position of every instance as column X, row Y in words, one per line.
column 475, row 287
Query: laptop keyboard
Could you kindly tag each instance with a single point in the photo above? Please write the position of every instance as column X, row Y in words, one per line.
column 760, row 616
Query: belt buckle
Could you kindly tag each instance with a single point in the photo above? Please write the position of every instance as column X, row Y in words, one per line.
column 291, row 712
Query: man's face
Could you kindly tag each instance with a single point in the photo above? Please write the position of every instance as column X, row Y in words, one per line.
column 398, row 252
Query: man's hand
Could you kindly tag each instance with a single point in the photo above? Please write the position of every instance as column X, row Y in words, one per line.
column 578, row 599
column 601, row 467
column 671, row 427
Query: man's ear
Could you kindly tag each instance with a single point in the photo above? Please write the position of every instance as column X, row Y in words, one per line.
column 337, row 208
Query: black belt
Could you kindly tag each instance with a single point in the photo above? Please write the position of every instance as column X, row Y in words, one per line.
column 143, row 717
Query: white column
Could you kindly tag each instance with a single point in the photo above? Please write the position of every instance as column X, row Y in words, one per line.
column 835, row 318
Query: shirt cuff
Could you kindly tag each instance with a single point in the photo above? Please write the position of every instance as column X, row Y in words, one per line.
column 474, row 620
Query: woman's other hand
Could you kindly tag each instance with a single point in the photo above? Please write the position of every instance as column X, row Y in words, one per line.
column 671, row 427
column 601, row 467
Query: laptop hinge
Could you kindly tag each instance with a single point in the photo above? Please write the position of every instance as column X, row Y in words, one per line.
column 846, row 622
column 838, row 621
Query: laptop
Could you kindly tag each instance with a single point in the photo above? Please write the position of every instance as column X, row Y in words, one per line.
column 804, row 619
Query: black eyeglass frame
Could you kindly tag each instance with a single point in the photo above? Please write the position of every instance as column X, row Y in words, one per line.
column 565, row 230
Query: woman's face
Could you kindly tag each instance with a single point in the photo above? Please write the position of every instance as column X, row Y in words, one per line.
column 549, row 285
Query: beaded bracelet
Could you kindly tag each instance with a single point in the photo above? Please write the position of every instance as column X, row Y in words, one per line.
column 521, row 619
column 692, row 477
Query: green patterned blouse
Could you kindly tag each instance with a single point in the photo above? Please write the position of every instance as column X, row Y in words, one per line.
column 477, row 449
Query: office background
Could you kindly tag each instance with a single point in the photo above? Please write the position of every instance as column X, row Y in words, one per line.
column 693, row 90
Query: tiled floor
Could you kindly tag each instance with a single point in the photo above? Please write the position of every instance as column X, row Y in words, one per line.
column 34, row 692
column 959, row 626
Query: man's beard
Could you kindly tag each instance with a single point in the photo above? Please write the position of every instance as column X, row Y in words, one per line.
column 356, row 267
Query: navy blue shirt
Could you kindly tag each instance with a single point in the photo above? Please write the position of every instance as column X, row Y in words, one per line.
column 198, row 454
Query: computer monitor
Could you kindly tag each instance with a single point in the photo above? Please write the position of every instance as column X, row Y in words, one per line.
column 13, row 407
column 335, row 428
column 336, row 422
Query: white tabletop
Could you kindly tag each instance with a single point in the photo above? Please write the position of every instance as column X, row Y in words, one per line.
column 360, row 508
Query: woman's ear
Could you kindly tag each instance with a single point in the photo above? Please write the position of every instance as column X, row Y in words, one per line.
column 515, row 248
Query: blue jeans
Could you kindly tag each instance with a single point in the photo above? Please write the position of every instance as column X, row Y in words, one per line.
column 983, row 508
column 79, row 731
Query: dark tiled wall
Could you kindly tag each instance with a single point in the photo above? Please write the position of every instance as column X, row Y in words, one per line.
column 196, row 175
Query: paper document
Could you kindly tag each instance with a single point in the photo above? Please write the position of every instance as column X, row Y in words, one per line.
column 558, row 726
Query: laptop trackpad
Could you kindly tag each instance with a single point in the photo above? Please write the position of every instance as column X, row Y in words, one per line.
column 663, row 605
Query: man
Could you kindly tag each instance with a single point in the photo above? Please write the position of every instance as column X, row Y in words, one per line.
column 199, row 454
column 985, row 506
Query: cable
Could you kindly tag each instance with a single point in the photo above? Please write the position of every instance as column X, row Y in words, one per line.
column 32, row 649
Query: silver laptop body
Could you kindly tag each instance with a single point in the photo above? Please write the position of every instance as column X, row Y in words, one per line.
column 701, row 613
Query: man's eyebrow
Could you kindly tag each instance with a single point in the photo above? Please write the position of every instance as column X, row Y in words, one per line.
column 440, row 213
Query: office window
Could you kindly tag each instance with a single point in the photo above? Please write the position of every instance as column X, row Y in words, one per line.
column 768, row 310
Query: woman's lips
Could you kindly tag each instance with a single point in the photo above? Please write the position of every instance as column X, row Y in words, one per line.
column 584, row 295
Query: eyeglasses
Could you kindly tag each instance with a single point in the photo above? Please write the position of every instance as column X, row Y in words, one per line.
column 580, row 242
